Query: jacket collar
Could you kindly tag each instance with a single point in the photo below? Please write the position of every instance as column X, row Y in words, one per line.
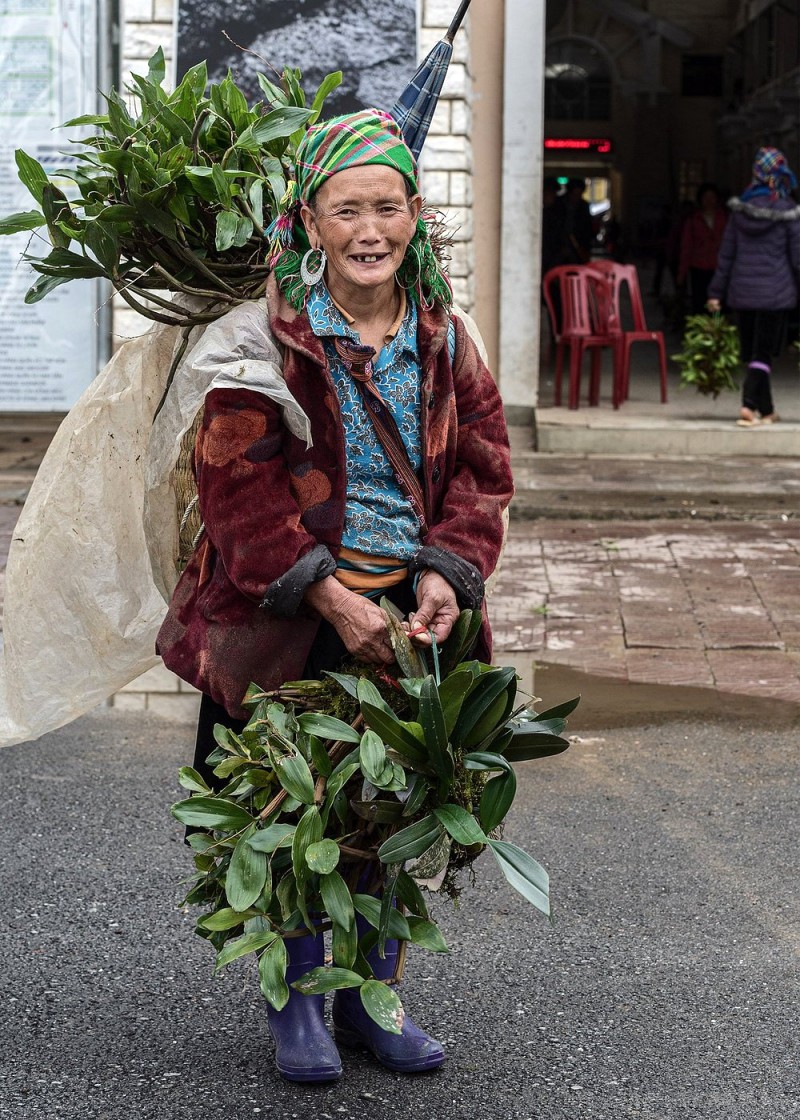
column 765, row 210
column 431, row 332
column 291, row 327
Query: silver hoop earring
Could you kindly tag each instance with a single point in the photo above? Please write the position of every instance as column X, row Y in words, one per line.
column 310, row 276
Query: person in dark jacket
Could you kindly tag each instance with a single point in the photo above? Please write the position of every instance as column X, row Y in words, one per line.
column 552, row 225
column 758, row 275
column 576, row 221
column 552, row 241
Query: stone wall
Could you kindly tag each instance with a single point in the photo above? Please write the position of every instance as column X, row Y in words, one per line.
column 446, row 182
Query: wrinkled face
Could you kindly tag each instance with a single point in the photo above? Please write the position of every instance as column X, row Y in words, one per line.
column 364, row 220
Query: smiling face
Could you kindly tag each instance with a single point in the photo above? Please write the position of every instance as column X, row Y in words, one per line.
column 364, row 220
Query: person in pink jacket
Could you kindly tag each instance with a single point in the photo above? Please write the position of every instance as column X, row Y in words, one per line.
column 700, row 241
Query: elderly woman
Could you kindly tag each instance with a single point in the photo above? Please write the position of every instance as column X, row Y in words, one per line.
column 401, row 494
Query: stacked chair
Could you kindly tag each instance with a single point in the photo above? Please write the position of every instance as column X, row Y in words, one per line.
column 584, row 305
column 619, row 275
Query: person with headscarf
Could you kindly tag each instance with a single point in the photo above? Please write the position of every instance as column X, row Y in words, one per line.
column 299, row 542
column 758, row 275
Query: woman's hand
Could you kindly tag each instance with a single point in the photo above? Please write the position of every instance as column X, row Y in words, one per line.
column 359, row 622
column 437, row 608
column 713, row 305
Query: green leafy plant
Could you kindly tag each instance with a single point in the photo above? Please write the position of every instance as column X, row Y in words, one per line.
column 172, row 196
column 710, row 356
column 341, row 795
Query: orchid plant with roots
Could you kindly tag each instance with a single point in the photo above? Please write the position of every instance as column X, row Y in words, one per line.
column 352, row 795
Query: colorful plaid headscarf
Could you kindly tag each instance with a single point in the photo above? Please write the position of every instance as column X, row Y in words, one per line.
column 360, row 139
column 772, row 176
column 356, row 140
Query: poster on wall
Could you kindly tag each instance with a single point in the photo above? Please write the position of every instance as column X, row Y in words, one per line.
column 374, row 43
column 48, row 75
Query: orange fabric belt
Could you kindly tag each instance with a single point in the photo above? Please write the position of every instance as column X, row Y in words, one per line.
column 368, row 575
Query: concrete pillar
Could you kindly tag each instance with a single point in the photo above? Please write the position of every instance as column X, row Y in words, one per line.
column 486, row 61
column 523, row 147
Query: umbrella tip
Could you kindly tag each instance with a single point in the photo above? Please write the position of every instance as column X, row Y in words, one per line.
column 458, row 19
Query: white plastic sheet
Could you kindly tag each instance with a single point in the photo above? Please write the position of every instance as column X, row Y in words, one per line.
column 81, row 608
column 83, row 601
column 238, row 350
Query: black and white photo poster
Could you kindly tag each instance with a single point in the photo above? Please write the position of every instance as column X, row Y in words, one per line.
column 372, row 41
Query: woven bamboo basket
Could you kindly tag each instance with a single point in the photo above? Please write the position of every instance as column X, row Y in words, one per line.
column 191, row 525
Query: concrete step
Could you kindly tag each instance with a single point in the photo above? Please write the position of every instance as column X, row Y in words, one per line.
column 604, row 432
column 581, row 505
column 712, row 488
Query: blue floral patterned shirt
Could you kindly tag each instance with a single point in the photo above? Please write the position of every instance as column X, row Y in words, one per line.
column 379, row 519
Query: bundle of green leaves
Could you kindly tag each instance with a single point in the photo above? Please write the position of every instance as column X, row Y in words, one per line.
column 172, row 195
column 710, row 356
column 341, row 795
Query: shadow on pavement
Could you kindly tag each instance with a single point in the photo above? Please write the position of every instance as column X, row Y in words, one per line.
column 608, row 702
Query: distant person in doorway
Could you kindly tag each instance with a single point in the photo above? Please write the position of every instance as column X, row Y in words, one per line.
column 758, row 275
column 552, row 241
column 578, row 231
column 701, row 238
column 552, row 225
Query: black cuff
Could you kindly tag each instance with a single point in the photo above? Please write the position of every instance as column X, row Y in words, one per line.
column 285, row 594
column 463, row 577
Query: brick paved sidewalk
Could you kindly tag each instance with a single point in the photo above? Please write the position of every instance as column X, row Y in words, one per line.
column 710, row 605
column 707, row 605
column 699, row 603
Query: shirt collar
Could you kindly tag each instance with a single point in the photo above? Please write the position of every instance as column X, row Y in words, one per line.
column 327, row 317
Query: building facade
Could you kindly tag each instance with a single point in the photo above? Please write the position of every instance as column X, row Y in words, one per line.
column 645, row 99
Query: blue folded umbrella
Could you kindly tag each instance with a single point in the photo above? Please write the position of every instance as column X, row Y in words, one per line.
column 416, row 105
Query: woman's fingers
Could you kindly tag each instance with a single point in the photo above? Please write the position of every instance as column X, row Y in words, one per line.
column 362, row 625
column 362, row 628
column 437, row 608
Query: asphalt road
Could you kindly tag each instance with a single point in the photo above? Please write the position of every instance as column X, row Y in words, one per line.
column 667, row 990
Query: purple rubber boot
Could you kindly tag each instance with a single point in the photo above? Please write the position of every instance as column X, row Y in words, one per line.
column 413, row 1051
column 304, row 1049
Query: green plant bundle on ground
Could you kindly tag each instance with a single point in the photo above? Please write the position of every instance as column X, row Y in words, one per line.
column 341, row 796
column 710, row 356
column 172, row 196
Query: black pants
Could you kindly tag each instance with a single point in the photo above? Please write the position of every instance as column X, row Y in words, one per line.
column 761, row 334
column 699, row 279
column 327, row 653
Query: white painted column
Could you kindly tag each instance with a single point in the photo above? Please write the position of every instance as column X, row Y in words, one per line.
column 523, row 148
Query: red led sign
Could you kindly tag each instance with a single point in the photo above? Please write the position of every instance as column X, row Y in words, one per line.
column 578, row 144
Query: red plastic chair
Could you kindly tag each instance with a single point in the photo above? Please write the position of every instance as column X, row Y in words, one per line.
column 620, row 274
column 586, row 323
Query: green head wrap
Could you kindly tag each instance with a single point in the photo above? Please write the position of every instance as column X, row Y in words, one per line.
column 355, row 140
